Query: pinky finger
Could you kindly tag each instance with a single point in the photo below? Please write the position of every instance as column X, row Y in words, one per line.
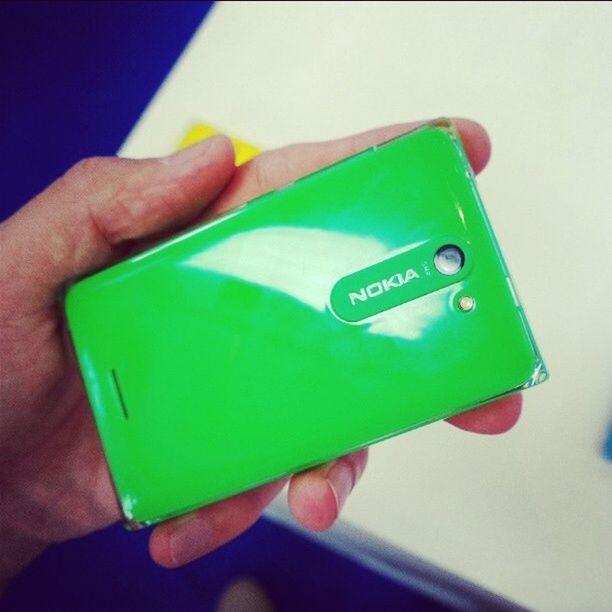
column 494, row 418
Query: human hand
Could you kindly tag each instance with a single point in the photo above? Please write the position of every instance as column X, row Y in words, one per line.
column 54, row 481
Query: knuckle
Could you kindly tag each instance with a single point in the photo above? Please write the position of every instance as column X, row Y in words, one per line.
column 272, row 170
column 261, row 174
column 113, row 219
column 87, row 170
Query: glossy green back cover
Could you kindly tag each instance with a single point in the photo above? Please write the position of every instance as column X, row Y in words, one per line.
column 309, row 323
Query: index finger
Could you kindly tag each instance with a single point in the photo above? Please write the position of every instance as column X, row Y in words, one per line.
column 278, row 167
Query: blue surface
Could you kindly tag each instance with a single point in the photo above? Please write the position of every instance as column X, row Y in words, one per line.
column 607, row 449
column 75, row 77
column 111, row 570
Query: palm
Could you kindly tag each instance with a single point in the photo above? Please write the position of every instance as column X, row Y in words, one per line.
column 52, row 467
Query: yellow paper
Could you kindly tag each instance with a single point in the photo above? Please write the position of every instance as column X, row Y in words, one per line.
column 201, row 131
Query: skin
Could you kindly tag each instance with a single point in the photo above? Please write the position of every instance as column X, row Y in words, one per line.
column 54, row 482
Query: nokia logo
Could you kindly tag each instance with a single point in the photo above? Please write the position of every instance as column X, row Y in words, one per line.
column 382, row 286
column 386, row 284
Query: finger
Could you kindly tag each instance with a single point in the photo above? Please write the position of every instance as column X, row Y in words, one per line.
column 316, row 496
column 495, row 418
column 85, row 219
column 194, row 535
column 273, row 169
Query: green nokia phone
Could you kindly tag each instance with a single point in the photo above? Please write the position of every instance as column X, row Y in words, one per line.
column 359, row 302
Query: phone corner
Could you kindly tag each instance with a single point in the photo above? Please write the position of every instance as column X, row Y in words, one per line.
column 538, row 373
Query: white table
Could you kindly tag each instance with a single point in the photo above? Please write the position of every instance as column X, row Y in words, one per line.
column 528, row 514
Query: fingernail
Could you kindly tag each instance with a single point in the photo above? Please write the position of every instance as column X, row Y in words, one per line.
column 341, row 480
column 189, row 541
column 199, row 151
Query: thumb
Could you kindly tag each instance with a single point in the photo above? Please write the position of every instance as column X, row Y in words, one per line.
column 100, row 208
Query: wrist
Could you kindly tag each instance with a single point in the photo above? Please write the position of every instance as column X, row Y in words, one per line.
column 17, row 550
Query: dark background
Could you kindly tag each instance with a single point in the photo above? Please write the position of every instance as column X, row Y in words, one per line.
column 75, row 77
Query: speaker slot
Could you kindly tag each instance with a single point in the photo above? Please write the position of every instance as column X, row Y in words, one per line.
column 119, row 393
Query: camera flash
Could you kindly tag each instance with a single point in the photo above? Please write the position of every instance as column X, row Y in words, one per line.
column 466, row 303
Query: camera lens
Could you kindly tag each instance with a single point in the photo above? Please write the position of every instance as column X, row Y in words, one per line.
column 449, row 259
